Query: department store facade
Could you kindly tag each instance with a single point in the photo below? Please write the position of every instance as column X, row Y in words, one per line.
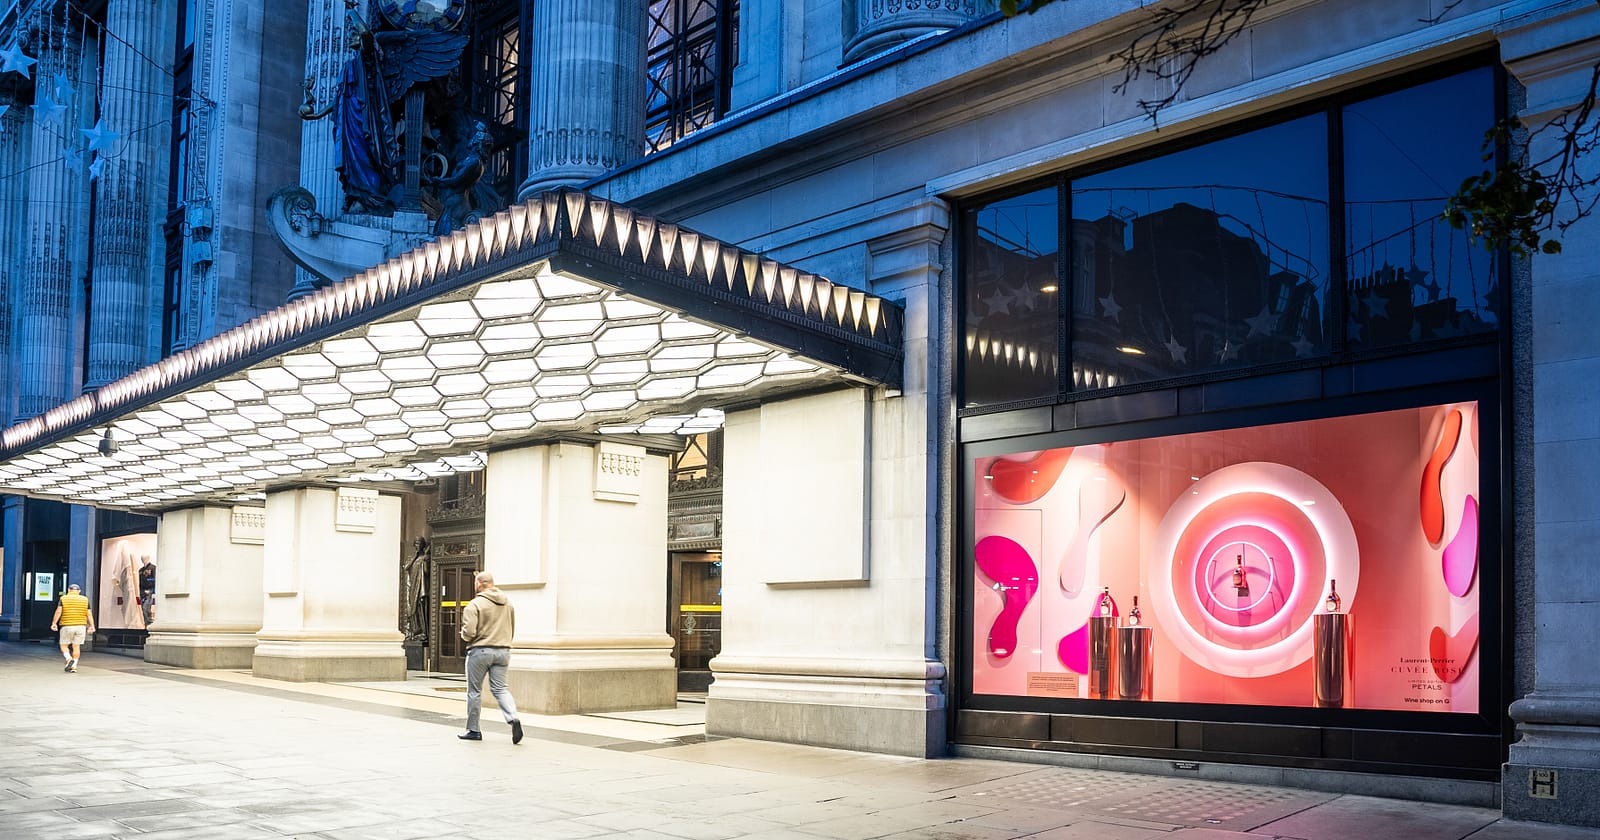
column 1049, row 430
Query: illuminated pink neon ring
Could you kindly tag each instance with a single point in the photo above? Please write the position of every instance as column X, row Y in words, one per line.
column 1332, row 528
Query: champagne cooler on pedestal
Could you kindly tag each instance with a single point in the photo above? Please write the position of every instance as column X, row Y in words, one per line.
column 1103, row 657
column 1134, row 666
column 1331, row 656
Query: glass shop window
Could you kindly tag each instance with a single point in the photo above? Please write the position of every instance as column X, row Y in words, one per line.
column 1012, row 329
column 1412, row 277
column 1210, row 258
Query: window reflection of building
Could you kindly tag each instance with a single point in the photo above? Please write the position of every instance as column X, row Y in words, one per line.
column 1222, row 256
column 692, row 47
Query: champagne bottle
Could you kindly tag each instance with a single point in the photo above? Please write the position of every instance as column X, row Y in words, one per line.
column 1240, row 584
column 1332, row 602
column 1133, row 614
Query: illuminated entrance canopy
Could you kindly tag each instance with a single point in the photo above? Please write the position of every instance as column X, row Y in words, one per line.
column 565, row 314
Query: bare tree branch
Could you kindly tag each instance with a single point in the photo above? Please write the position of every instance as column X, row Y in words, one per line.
column 1172, row 47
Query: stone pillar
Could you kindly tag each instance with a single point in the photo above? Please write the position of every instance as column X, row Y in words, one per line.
column 208, row 587
column 576, row 535
column 14, row 136
column 130, row 198
column 331, row 580
column 57, row 197
column 880, row 24
column 588, row 91
column 1553, row 772
column 827, row 623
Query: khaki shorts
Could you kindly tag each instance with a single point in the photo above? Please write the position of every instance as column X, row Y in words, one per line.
column 73, row 634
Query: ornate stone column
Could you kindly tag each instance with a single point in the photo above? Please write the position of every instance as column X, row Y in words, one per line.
column 14, row 137
column 57, row 195
column 208, row 587
column 575, row 535
column 130, row 195
column 588, row 97
column 1553, row 772
column 880, row 24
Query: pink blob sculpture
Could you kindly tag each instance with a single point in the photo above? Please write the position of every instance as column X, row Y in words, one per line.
column 1073, row 650
column 1015, row 576
column 1460, row 559
column 1432, row 495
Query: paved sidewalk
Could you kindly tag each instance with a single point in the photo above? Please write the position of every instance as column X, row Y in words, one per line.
column 126, row 749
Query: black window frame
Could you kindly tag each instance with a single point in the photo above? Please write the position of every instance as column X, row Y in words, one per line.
column 687, row 108
column 1339, row 351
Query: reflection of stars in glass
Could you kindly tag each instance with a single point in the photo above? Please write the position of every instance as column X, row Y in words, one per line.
column 1180, row 354
column 1376, row 305
column 98, row 168
column 1491, row 299
column 73, row 159
column 1262, row 323
column 14, row 60
column 1111, row 307
column 1353, row 329
column 1228, row 353
column 1302, row 347
column 1434, row 289
column 1416, row 331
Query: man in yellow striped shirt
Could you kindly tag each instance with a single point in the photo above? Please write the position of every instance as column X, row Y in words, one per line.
column 76, row 621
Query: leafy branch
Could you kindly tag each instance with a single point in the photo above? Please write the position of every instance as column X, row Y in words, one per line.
column 1527, row 205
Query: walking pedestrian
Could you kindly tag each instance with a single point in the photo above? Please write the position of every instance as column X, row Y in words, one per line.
column 487, row 625
column 75, row 621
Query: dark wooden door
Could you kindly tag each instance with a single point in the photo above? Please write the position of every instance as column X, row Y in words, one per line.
column 695, row 615
column 453, row 593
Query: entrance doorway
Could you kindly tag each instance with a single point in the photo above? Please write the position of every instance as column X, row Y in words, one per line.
column 694, row 592
column 454, row 590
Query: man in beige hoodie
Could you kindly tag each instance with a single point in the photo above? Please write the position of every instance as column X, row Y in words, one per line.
column 487, row 625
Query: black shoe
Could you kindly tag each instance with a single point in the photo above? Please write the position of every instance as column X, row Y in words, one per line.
column 67, row 667
column 470, row 735
column 516, row 732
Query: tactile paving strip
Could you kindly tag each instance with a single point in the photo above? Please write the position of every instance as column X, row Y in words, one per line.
column 1153, row 799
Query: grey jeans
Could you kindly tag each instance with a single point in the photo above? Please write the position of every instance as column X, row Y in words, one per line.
column 492, row 661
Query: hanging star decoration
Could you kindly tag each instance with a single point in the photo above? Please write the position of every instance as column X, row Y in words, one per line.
column 1302, row 347
column 1228, row 353
column 1180, row 354
column 1262, row 323
column 14, row 60
column 46, row 108
column 98, row 168
column 1111, row 307
column 100, row 138
column 73, row 159
column 1353, row 329
column 64, row 88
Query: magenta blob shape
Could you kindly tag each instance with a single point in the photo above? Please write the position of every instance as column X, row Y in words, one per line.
column 1073, row 650
column 1460, row 558
column 1016, row 577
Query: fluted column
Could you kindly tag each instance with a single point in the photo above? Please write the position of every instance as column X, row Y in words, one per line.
column 14, row 136
column 588, row 98
column 56, row 199
column 130, row 195
column 880, row 24
column 1553, row 769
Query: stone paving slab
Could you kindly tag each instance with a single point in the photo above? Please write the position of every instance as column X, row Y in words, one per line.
column 127, row 750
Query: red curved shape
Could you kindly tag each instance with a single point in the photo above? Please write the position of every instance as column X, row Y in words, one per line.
column 1073, row 650
column 1016, row 577
column 1460, row 559
column 1432, row 495
column 1451, row 653
column 1027, row 481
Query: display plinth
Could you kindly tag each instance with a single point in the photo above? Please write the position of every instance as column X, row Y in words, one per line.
column 1135, row 663
column 1331, row 660
column 1102, row 657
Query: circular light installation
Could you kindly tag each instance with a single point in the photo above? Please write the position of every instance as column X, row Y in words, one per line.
column 1257, row 511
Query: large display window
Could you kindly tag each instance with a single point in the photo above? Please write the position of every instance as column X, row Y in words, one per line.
column 1331, row 562
column 127, row 582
